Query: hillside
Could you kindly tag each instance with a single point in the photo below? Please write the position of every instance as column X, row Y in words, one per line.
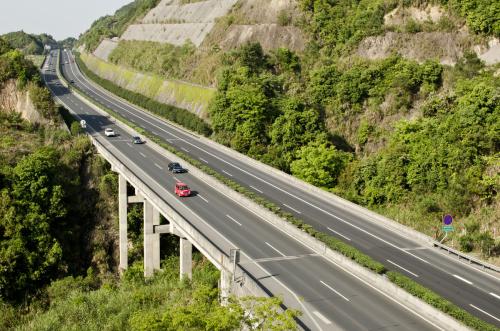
column 393, row 107
column 29, row 44
column 58, row 234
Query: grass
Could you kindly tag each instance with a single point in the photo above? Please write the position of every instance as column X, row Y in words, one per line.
column 152, row 86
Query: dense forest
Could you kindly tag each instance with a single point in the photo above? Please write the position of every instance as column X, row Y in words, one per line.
column 58, row 229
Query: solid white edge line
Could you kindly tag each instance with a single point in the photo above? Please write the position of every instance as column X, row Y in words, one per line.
column 295, row 210
column 482, row 311
column 268, row 244
column 340, row 234
column 322, row 318
column 463, row 279
column 202, row 198
column 232, row 219
column 400, row 267
column 495, row 295
column 334, row 290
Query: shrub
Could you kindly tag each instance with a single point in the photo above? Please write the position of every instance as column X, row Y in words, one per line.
column 438, row 302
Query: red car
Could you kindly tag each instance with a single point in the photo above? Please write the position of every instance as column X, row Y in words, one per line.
column 182, row 190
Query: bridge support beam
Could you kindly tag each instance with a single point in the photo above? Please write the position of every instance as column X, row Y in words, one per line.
column 186, row 258
column 151, row 240
column 122, row 216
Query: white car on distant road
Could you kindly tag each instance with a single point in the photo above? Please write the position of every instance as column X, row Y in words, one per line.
column 109, row 132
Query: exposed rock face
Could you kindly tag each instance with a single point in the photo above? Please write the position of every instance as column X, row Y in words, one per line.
column 492, row 55
column 175, row 34
column 447, row 47
column 270, row 36
column 251, row 21
column 175, row 23
column 401, row 15
column 11, row 99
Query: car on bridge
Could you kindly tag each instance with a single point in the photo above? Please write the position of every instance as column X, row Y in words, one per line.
column 176, row 168
column 137, row 140
column 182, row 189
column 109, row 132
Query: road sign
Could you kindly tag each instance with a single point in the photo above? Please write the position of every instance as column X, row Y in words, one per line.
column 447, row 228
column 447, row 219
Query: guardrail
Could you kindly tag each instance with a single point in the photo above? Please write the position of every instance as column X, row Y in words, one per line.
column 469, row 258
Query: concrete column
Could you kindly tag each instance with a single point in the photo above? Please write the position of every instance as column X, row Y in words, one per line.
column 155, row 237
column 186, row 263
column 122, row 216
column 151, row 239
column 225, row 285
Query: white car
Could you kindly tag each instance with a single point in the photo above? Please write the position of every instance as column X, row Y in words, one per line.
column 109, row 132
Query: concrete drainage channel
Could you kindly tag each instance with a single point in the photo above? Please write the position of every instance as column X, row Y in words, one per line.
column 380, row 283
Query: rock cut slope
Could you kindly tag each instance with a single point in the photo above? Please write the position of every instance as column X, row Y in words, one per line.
column 175, row 23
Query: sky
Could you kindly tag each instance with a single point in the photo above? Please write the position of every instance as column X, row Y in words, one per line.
column 59, row 18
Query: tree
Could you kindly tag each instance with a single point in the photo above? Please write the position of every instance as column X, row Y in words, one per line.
column 319, row 163
column 296, row 127
column 29, row 253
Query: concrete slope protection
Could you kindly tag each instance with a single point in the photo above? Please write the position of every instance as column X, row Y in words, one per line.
column 329, row 297
column 471, row 288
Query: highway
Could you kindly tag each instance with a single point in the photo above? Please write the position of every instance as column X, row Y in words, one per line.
column 470, row 287
column 330, row 297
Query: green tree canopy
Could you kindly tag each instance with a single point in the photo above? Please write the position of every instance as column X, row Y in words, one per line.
column 319, row 163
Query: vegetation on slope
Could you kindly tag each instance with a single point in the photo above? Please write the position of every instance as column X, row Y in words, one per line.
column 160, row 303
column 340, row 25
column 162, row 59
column 29, row 44
column 114, row 25
column 440, row 162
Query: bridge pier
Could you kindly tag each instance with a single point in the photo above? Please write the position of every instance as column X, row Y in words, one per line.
column 186, row 258
column 151, row 239
column 122, row 216
column 225, row 285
